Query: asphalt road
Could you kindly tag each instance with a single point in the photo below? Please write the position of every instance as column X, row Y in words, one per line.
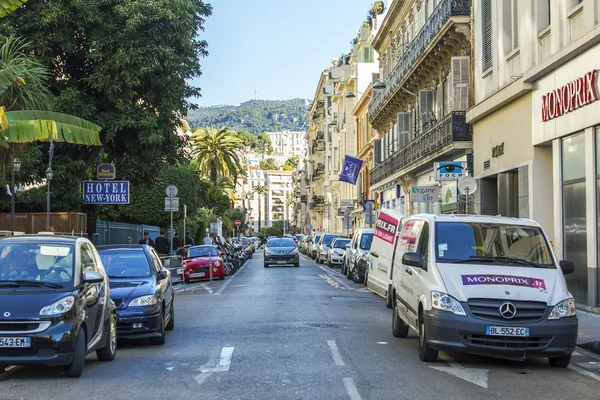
column 295, row 333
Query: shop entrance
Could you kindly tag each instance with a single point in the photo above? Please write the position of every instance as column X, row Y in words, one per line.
column 500, row 194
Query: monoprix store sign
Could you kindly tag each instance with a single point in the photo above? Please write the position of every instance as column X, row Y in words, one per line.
column 99, row 192
column 569, row 97
column 106, row 172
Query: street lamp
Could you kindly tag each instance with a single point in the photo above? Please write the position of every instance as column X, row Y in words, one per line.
column 16, row 167
column 49, row 174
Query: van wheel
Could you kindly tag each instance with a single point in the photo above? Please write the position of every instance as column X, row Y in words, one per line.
column 389, row 303
column 75, row 369
column 349, row 272
column 399, row 328
column 108, row 352
column 561, row 362
column 426, row 353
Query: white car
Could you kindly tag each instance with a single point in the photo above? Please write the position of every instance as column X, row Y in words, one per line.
column 490, row 286
column 324, row 245
column 314, row 247
column 335, row 254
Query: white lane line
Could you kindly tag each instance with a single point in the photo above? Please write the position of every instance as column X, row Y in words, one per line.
column 188, row 287
column 209, row 290
column 225, row 361
column 475, row 376
column 211, row 366
column 344, row 284
column 584, row 372
column 351, row 389
column 337, row 357
column 228, row 281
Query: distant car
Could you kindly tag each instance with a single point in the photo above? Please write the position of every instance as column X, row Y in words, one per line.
column 198, row 262
column 305, row 245
column 141, row 289
column 356, row 258
column 298, row 238
column 55, row 302
column 323, row 246
column 314, row 245
column 282, row 252
column 336, row 252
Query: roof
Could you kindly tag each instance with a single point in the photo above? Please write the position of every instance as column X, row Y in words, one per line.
column 46, row 238
column 121, row 246
column 497, row 219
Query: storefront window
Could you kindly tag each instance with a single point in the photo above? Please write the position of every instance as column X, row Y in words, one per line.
column 574, row 214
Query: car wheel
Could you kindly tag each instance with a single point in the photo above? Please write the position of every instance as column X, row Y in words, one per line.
column 297, row 265
column 349, row 272
column 426, row 353
column 75, row 369
column 266, row 265
column 171, row 324
column 222, row 277
column 329, row 264
column 159, row 340
column 367, row 278
column 388, row 298
column 108, row 352
column 356, row 277
column 561, row 362
column 399, row 328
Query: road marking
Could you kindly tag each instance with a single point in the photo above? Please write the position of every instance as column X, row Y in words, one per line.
column 209, row 290
column 211, row 367
column 218, row 292
column 337, row 357
column 188, row 287
column 225, row 361
column 170, row 368
column 351, row 389
column 476, row 376
column 8, row 371
column 344, row 284
column 582, row 372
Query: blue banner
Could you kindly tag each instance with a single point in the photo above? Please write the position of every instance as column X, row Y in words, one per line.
column 350, row 169
column 102, row 192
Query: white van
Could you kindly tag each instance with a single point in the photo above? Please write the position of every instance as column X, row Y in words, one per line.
column 381, row 256
column 483, row 285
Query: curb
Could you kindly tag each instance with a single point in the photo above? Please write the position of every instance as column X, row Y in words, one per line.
column 593, row 310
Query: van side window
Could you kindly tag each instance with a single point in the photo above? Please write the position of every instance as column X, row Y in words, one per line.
column 424, row 242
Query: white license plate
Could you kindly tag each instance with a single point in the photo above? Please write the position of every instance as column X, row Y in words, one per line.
column 179, row 271
column 15, row 342
column 506, row 331
column 198, row 275
column 282, row 262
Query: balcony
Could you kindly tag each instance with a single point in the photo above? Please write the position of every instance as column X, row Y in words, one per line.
column 417, row 50
column 433, row 142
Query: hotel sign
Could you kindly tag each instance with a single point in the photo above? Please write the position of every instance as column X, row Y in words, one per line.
column 570, row 97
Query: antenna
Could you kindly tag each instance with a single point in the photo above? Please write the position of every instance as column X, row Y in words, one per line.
column 255, row 94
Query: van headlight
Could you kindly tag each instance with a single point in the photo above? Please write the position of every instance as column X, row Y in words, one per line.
column 143, row 301
column 57, row 308
column 443, row 302
column 565, row 308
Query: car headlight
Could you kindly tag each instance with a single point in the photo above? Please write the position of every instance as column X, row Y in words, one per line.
column 294, row 252
column 565, row 308
column 57, row 308
column 267, row 252
column 143, row 301
column 442, row 301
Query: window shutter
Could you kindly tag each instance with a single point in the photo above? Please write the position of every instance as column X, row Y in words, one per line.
column 487, row 34
column 439, row 97
column 403, row 129
column 426, row 107
column 374, row 77
column 377, row 150
column 461, row 73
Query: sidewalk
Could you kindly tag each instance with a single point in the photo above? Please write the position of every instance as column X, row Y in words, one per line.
column 589, row 331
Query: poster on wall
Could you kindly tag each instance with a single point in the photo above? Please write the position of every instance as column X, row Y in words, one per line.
column 449, row 194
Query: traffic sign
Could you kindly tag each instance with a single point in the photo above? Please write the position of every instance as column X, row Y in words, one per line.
column 238, row 222
column 172, row 191
column 172, row 204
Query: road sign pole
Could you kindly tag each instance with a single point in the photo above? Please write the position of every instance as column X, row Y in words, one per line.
column 171, row 232
column 184, row 220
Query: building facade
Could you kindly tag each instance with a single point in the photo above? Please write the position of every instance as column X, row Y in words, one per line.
column 275, row 205
column 288, row 144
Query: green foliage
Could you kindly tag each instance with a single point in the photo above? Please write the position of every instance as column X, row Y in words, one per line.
column 254, row 116
column 229, row 217
column 292, row 162
column 247, row 139
column 287, row 167
column 264, row 146
column 275, row 230
column 269, row 164
column 215, row 153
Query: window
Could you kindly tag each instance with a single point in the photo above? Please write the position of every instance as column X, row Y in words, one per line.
column 367, row 52
column 486, row 31
column 87, row 259
column 510, row 11
column 424, row 243
column 543, row 14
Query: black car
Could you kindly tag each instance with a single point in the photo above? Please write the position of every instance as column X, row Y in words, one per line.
column 281, row 252
column 55, row 307
column 142, row 291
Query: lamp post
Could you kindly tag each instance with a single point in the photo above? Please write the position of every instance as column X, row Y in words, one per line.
column 49, row 174
column 16, row 167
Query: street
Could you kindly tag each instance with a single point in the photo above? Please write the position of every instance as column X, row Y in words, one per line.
column 295, row 333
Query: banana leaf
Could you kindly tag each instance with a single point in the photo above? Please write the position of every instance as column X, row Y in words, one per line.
column 8, row 6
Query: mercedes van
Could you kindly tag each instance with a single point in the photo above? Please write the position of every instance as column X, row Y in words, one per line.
column 482, row 285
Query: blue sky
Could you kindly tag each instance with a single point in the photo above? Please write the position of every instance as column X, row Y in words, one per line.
column 276, row 47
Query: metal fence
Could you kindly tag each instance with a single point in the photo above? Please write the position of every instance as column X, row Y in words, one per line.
column 30, row 223
column 117, row 232
column 173, row 264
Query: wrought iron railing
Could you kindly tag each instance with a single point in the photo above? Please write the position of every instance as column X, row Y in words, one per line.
column 416, row 49
column 451, row 128
column 320, row 135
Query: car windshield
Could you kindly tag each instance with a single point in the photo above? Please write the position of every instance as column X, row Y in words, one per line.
column 329, row 238
column 204, row 251
column 365, row 241
column 281, row 243
column 341, row 243
column 493, row 244
column 318, row 237
column 37, row 262
column 122, row 263
column 244, row 241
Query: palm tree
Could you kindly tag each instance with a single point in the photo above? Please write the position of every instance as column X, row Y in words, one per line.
column 261, row 191
column 9, row 6
column 215, row 152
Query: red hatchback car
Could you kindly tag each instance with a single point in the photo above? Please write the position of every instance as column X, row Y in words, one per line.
column 197, row 263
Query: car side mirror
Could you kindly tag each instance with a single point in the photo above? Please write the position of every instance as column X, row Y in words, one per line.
column 567, row 267
column 347, row 246
column 222, row 254
column 162, row 274
column 92, row 277
column 413, row 260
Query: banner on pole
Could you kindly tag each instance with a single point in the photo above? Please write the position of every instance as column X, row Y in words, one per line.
column 350, row 169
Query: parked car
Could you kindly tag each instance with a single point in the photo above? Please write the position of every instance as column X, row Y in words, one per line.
column 323, row 247
column 314, row 245
column 54, row 298
column 281, row 252
column 305, row 245
column 336, row 251
column 198, row 262
column 142, row 290
column 356, row 261
column 483, row 285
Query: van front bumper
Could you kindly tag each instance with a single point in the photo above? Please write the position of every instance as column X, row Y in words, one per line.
column 467, row 334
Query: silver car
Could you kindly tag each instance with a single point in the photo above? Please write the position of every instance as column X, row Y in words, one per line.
column 355, row 258
column 336, row 252
column 314, row 245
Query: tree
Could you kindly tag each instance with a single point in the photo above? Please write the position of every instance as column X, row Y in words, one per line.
column 265, row 146
column 292, row 162
column 286, row 167
column 269, row 164
column 247, row 139
column 260, row 191
column 9, row 6
column 216, row 152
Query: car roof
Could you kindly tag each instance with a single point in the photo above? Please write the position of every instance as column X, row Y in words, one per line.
column 43, row 238
column 122, row 246
column 482, row 219
column 366, row 230
column 341, row 238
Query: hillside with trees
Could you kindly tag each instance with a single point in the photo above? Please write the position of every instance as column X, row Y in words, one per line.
column 254, row 116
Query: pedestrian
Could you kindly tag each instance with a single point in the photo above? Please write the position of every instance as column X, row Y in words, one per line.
column 207, row 240
column 162, row 244
column 147, row 240
column 188, row 240
column 176, row 242
column 129, row 240
column 180, row 251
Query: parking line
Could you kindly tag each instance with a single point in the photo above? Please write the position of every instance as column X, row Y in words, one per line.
column 209, row 290
column 584, row 372
column 344, row 284
column 218, row 292
column 337, row 357
column 225, row 361
column 351, row 389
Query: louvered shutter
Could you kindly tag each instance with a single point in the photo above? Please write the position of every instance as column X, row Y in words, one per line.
column 403, row 129
column 377, row 150
column 439, row 97
column 425, row 107
column 487, row 34
column 461, row 73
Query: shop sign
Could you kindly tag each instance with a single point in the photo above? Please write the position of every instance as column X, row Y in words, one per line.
column 100, row 192
column 424, row 194
column 570, row 97
column 106, row 171
column 498, row 150
column 449, row 170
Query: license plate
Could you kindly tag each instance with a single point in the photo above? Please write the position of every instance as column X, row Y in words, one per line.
column 198, row 275
column 179, row 271
column 281, row 262
column 15, row 342
column 506, row 331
